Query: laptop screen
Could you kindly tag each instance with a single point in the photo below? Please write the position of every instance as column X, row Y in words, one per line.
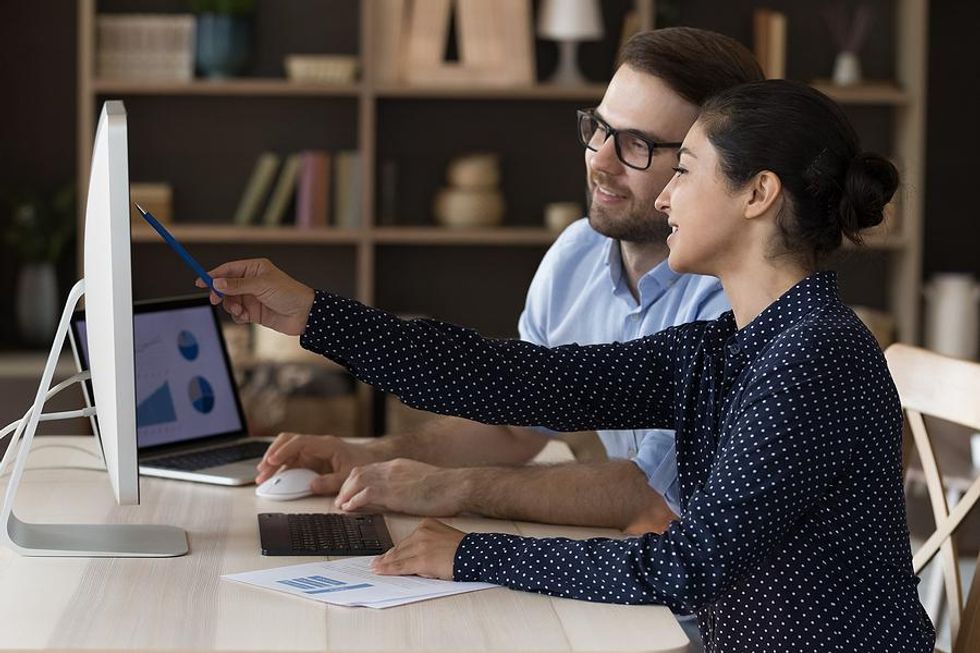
column 184, row 384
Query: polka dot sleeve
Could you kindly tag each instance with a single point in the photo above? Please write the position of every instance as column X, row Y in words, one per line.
column 451, row 370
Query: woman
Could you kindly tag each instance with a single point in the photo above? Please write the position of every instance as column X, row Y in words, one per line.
column 793, row 536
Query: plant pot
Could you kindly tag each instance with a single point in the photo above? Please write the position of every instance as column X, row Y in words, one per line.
column 37, row 303
column 224, row 45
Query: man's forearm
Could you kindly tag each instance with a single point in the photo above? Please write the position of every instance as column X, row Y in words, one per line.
column 611, row 494
column 455, row 442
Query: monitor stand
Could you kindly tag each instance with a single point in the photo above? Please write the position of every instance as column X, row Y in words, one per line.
column 75, row 540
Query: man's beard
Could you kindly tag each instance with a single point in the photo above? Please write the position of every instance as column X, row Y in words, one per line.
column 643, row 224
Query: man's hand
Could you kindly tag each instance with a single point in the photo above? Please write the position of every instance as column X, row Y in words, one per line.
column 403, row 485
column 327, row 455
column 428, row 552
column 257, row 291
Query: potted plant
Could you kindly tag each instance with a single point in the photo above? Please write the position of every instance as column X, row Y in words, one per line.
column 224, row 37
column 39, row 229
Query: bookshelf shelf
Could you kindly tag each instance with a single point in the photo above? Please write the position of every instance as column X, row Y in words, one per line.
column 441, row 236
column 535, row 92
column 880, row 240
column 884, row 93
column 236, row 87
column 229, row 234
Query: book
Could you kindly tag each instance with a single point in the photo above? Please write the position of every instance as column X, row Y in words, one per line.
column 428, row 23
column 284, row 192
column 313, row 190
column 515, row 41
column 155, row 197
column 390, row 26
column 263, row 174
column 347, row 189
column 776, row 68
column 769, row 28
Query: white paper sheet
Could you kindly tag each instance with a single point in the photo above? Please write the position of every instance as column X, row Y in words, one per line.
column 350, row 582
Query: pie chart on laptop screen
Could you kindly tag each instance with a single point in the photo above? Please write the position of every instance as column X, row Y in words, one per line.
column 201, row 395
column 187, row 344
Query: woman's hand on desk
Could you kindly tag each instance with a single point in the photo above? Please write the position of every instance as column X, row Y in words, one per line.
column 428, row 552
column 257, row 291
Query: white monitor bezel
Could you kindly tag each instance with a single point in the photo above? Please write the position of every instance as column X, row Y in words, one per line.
column 109, row 301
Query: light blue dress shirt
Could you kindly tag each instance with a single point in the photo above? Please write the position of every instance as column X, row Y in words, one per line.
column 580, row 294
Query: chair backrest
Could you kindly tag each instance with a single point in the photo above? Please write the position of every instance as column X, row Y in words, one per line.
column 969, row 639
column 947, row 388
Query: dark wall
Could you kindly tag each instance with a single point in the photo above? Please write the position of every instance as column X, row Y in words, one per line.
column 37, row 119
column 952, row 222
column 38, row 111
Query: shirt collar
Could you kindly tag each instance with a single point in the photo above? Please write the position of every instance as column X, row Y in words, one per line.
column 816, row 290
column 650, row 286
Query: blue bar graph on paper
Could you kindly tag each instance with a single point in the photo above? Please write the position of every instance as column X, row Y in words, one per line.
column 340, row 589
column 320, row 584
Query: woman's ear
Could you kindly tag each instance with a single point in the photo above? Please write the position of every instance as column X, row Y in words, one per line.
column 765, row 192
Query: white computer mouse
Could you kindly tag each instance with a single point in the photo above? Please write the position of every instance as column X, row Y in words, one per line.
column 287, row 485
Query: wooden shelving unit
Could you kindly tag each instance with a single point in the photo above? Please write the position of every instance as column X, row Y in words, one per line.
column 376, row 118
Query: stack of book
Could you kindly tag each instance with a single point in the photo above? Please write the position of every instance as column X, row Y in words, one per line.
column 299, row 190
column 145, row 47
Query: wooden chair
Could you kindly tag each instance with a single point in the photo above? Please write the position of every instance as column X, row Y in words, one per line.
column 949, row 389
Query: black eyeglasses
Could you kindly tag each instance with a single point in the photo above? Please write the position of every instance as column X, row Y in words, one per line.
column 632, row 149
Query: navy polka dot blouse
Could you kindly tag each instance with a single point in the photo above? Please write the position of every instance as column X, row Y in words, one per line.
column 793, row 536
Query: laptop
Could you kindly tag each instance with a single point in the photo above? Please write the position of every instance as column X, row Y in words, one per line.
column 189, row 419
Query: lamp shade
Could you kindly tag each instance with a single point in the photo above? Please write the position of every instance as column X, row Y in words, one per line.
column 570, row 20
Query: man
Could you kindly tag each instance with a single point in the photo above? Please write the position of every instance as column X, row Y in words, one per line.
column 605, row 279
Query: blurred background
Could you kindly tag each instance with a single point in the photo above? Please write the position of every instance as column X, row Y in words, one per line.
column 223, row 95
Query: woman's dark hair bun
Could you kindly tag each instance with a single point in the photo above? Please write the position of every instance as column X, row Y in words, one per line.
column 802, row 136
column 869, row 184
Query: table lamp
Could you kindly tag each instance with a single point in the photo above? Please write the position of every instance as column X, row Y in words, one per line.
column 568, row 22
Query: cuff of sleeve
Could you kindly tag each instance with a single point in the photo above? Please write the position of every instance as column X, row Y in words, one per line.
column 323, row 305
column 333, row 328
column 479, row 557
column 660, row 468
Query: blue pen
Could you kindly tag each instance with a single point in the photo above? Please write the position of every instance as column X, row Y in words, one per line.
column 177, row 247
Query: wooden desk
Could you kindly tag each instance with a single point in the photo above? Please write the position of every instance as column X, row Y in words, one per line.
column 182, row 604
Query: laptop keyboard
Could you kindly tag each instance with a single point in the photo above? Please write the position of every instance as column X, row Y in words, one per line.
column 195, row 460
column 323, row 534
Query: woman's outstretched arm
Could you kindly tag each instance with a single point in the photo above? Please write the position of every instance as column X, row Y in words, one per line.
column 451, row 370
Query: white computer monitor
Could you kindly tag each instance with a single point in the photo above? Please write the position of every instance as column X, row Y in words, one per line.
column 107, row 289
column 109, row 302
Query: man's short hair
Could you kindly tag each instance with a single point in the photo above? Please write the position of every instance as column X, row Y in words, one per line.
column 695, row 63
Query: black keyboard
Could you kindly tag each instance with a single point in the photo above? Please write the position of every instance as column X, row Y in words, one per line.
column 322, row 534
column 195, row 460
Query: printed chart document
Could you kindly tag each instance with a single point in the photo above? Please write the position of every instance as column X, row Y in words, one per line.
column 350, row 582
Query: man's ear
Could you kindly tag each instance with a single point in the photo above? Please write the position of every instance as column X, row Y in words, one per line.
column 764, row 192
